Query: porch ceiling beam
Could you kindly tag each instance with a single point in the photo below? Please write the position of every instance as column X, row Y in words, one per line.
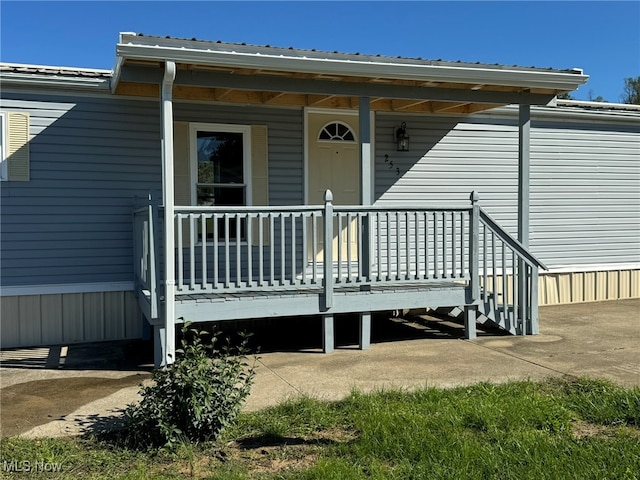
column 272, row 97
column 439, row 107
column 315, row 100
column 405, row 104
column 205, row 78
column 222, row 93
column 331, row 101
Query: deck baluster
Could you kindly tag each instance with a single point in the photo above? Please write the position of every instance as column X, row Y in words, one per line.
column 378, row 258
column 328, row 250
column 293, row 249
column 203, row 250
column 359, row 226
column 494, row 272
column 388, row 221
column 180, row 285
column 407, row 259
column 398, row 252
column 260, row 250
column 514, row 287
column 485, row 266
column 249, row 249
column 216, row 252
column 349, row 242
column 474, row 231
column 283, row 250
column 272, row 237
column 192, row 252
column 339, row 246
column 453, row 245
column 314, row 253
column 416, row 239
column 436, row 271
column 505, row 284
column 304, row 248
column 463, row 269
column 426, row 245
column 227, row 268
column 445, row 274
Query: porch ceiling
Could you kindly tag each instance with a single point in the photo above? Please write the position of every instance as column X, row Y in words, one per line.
column 267, row 87
column 248, row 74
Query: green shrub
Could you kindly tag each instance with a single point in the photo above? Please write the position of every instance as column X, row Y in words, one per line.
column 195, row 398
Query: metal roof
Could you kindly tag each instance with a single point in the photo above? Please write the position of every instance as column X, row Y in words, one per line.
column 61, row 77
column 134, row 47
column 55, row 71
column 314, row 53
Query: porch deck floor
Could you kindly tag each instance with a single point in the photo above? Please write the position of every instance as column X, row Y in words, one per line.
column 347, row 298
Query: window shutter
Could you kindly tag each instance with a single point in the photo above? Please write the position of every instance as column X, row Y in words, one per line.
column 259, row 174
column 181, row 170
column 18, row 146
column 259, row 166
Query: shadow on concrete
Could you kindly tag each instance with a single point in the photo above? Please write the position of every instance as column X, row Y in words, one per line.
column 125, row 355
column 304, row 334
column 296, row 334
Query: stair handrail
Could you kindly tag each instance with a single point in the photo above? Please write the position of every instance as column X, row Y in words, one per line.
column 520, row 249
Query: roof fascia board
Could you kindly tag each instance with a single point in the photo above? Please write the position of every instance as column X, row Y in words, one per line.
column 549, row 113
column 554, row 80
column 210, row 79
column 35, row 80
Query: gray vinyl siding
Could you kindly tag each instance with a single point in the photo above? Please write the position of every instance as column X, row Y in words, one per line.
column 585, row 194
column 285, row 129
column 585, row 178
column 90, row 156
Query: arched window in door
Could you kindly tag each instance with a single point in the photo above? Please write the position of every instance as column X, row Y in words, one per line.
column 336, row 132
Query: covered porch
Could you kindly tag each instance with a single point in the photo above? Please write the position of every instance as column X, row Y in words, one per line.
column 327, row 260
column 211, row 263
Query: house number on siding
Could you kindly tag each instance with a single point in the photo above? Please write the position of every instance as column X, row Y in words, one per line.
column 390, row 162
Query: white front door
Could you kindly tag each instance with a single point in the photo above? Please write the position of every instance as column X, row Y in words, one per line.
column 334, row 165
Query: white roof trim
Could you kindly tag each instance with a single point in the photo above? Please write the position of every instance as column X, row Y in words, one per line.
column 207, row 53
column 558, row 112
column 54, row 79
column 101, row 71
column 598, row 105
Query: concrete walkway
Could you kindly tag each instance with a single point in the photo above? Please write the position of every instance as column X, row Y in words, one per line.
column 595, row 339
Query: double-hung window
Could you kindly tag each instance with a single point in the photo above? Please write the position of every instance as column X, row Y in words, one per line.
column 221, row 170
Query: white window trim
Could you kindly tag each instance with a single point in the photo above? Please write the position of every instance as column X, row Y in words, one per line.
column 321, row 140
column 194, row 128
column 4, row 170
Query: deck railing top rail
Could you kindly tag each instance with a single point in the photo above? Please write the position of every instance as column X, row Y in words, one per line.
column 310, row 208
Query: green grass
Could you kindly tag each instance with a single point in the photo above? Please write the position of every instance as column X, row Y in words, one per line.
column 582, row 429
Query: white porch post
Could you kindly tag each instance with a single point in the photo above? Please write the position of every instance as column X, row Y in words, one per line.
column 524, row 174
column 364, row 117
column 366, row 198
column 168, row 355
column 366, row 195
column 524, row 178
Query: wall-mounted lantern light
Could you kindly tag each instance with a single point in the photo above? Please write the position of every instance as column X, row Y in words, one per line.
column 402, row 138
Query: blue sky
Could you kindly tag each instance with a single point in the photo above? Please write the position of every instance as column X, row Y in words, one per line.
column 603, row 38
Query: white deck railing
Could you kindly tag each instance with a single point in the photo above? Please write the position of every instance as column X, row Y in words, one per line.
column 239, row 249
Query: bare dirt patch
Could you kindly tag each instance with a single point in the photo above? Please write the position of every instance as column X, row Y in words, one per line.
column 263, row 454
column 582, row 429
